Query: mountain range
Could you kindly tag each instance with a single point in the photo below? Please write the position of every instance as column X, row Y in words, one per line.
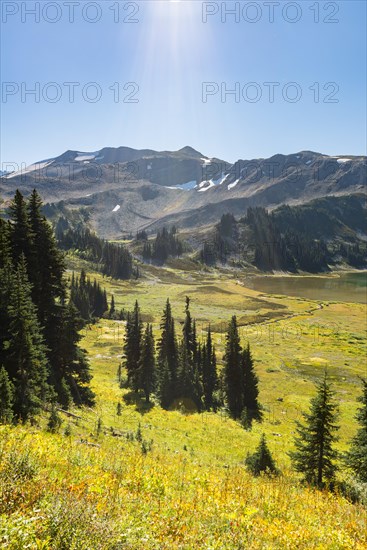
column 126, row 190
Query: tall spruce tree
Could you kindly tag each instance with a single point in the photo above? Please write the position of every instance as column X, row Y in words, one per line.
column 250, row 390
column 133, row 347
column 6, row 397
column 71, row 371
column 209, row 371
column 112, row 306
column 7, row 276
column 233, row 379
column 25, row 352
column 189, row 386
column 356, row 457
column 5, row 244
column 315, row 455
column 167, row 361
column 47, row 268
column 21, row 234
column 147, row 363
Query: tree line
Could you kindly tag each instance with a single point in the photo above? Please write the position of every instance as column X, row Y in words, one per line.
column 40, row 357
column 88, row 297
column 165, row 244
column 181, row 370
column 305, row 238
column 114, row 259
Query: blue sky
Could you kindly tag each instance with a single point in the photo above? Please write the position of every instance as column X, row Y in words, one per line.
column 169, row 53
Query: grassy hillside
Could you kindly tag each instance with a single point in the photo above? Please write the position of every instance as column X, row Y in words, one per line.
column 151, row 479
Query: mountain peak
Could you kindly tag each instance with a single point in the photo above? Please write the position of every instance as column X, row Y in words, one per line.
column 187, row 150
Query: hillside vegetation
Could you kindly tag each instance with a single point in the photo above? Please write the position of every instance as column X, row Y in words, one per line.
column 141, row 477
column 102, row 445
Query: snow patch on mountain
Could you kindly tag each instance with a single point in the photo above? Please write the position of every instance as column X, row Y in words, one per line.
column 232, row 185
column 82, row 157
column 208, row 184
column 342, row 161
column 183, row 186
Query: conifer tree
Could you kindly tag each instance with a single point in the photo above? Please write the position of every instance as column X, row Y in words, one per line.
column 80, row 297
column 21, row 234
column 315, row 456
column 105, row 303
column 47, row 267
column 189, row 332
column 356, row 457
column 71, row 372
column 30, row 236
column 188, row 374
column 209, row 371
column 112, row 306
column 250, row 387
column 5, row 244
column 167, row 361
column 261, row 461
column 147, row 363
column 164, row 385
column 133, row 346
column 6, row 397
column 54, row 421
column 7, row 278
column 233, row 379
column 188, row 385
column 25, row 352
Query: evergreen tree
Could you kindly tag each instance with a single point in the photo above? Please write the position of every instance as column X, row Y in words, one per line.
column 54, row 421
column 30, row 239
column 188, row 385
column 167, row 362
column 88, row 298
column 164, row 385
column 25, row 352
column 47, row 268
column 133, row 346
column 5, row 244
column 261, row 461
column 6, row 397
column 71, row 372
column 209, row 371
column 21, row 234
column 105, row 303
column 147, row 363
column 79, row 296
column 7, row 281
column 188, row 374
column 356, row 458
column 314, row 455
column 233, row 379
column 250, row 387
column 112, row 307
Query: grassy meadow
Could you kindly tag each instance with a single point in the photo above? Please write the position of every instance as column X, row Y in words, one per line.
column 152, row 479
